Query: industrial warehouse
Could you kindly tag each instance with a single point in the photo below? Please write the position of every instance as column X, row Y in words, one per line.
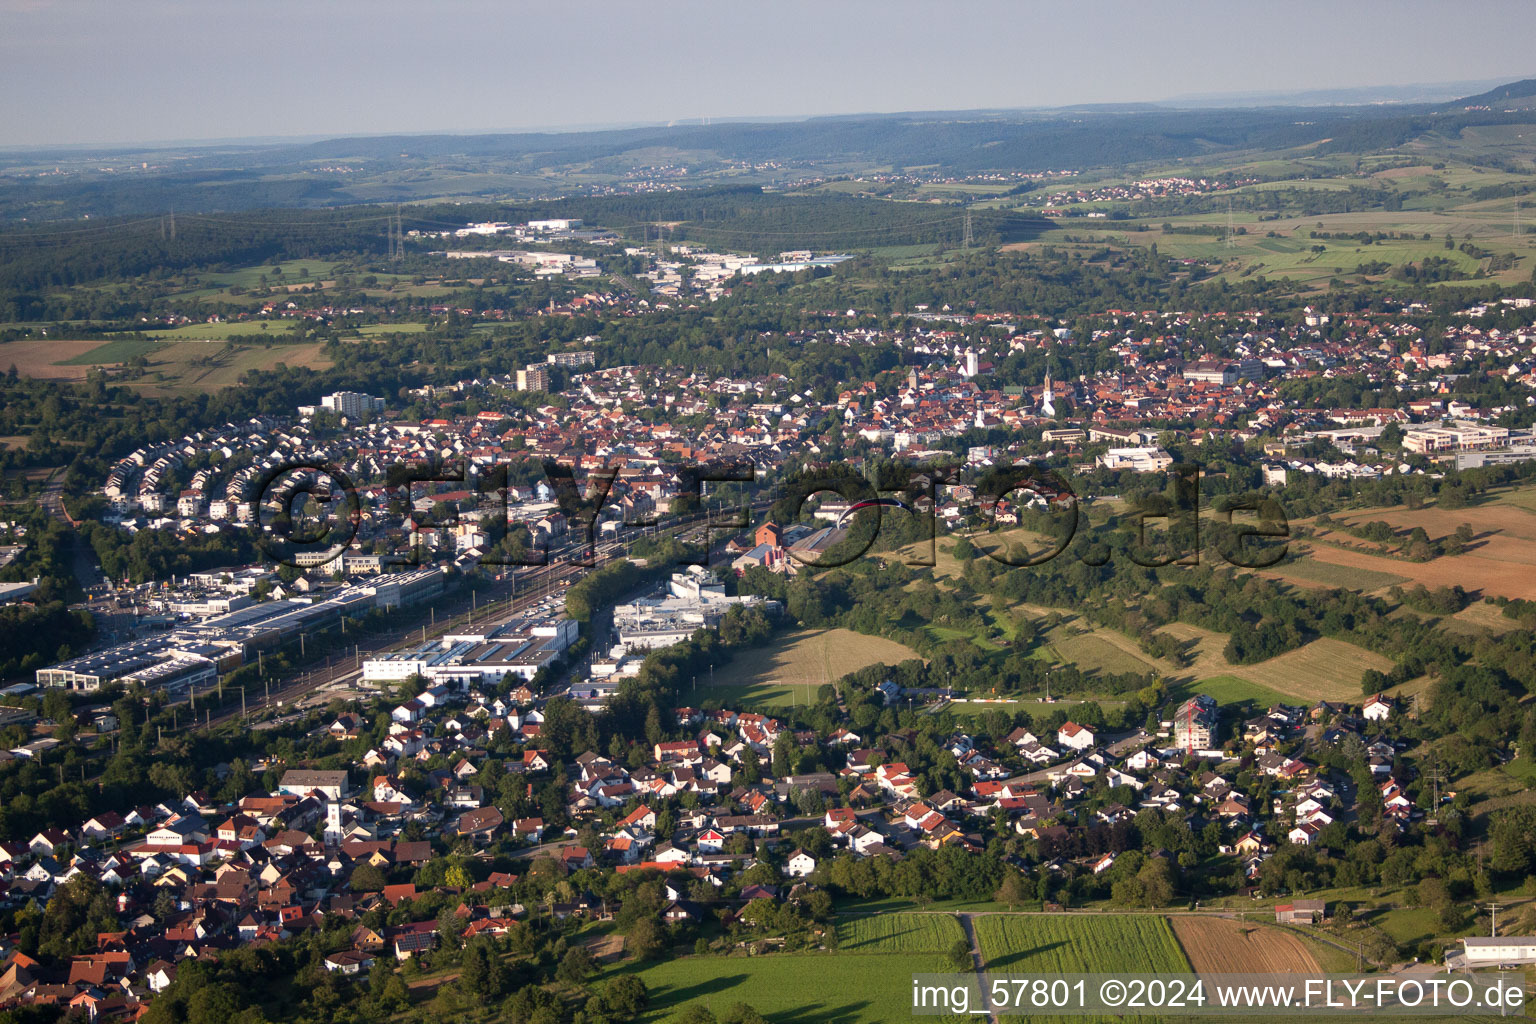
column 195, row 655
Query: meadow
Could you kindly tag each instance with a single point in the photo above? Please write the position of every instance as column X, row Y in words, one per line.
column 1310, row 571
column 173, row 366
column 1078, row 943
column 1325, row 669
column 189, row 367
column 819, row 988
column 275, row 330
column 1232, row 690
column 1439, row 197
column 898, row 933
column 118, row 351
column 810, row 658
column 1101, row 651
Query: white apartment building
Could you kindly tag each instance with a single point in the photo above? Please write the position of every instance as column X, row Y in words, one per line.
column 1461, row 437
column 1138, row 460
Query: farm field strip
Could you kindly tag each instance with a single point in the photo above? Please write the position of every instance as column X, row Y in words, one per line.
column 1079, row 944
column 826, row 988
column 898, row 933
column 1219, row 945
column 812, row 657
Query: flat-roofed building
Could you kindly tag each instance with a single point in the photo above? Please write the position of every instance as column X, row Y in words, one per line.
column 1137, row 460
column 333, row 785
column 1456, row 438
column 1504, row 949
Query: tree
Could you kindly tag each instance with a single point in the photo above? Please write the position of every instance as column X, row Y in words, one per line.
column 212, row 1004
column 576, row 966
column 626, row 996
column 1012, row 892
column 78, row 912
column 482, row 973
column 959, row 956
column 750, row 773
column 742, row 1013
column 1512, row 836
column 1156, row 877
column 645, row 939
column 783, row 755
column 367, row 878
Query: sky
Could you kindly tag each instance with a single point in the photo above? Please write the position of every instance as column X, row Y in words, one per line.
column 132, row 71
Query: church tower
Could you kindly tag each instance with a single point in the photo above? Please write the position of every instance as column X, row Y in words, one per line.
column 332, row 823
column 1047, row 405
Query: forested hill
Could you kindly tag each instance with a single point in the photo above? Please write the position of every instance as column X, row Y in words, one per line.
column 1521, row 94
column 411, row 168
column 406, row 168
column 964, row 142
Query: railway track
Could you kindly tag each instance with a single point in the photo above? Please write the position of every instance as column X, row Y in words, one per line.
column 534, row 585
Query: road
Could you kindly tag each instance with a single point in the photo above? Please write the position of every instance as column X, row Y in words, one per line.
column 978, row 963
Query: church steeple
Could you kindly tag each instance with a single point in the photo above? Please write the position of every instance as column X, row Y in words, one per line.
column 1047, row 405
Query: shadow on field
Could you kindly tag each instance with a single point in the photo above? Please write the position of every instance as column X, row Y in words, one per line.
column 669, row 997
column 1023, row 954
column 811, row 1013
column 876, row 941
column 817, row 1014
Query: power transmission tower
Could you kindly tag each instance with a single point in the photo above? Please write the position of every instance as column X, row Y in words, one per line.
column 173, row 225
column 969, row 239
column 1517, row 218
column 397, row 235
column 1231, row 231
column 1493, row 921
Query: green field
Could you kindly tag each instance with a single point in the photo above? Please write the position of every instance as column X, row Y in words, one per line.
column 975, row 636
column 276, row 330
column 1095, row 652
column 759, row 696
column 250, row 277
column 1233, row 690
column 377, row 330
column 118, row 351
column 821, row 988
column 1361, row 581
column 898, row 933
column 1067, row 944
column 196, row 366
column 1438, row 196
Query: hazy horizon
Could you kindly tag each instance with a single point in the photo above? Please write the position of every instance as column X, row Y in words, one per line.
column 91, row 73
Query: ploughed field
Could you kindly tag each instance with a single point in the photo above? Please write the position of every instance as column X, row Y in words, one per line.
column 1220, row 945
